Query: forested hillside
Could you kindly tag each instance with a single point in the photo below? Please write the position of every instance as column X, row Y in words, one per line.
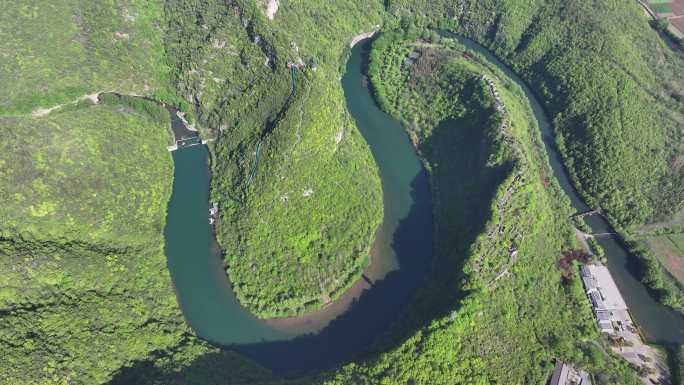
column 85, row 293
column 518, row 311
column 299, row 193
column 614, row 90
column 80, row 243
column 611, row 85
column 84, row 286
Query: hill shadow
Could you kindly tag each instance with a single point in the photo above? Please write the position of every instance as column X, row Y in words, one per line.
column 462, row 185
column 347, row 337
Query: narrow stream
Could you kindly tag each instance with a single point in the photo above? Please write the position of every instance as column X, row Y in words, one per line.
column 658, row 323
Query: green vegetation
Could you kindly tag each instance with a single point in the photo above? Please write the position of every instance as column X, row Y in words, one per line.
column 670, row 252
column 663, row 26
column 661, row 8
column 299, row 193
column 518, row 312
column 85, row 296
column 613, row 91
column 58, row 171
column 80, row 244
column 660, row 251
column 655, row 275
column 301, row 221
column 54, row 52
column 84, row 286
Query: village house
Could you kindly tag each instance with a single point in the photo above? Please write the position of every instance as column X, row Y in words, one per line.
column 564, row 374
column 606, row 301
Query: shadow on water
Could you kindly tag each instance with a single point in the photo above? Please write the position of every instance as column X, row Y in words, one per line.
column 349, row 335
column 406, row 245
column 408, row 223
column 460, row 150
column 658, row 323
column 466, row 186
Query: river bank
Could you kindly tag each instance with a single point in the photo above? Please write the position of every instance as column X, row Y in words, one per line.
column 660, row 324
column 363, row 36
column 400, row 257
column 317, row 320
column 362, row 313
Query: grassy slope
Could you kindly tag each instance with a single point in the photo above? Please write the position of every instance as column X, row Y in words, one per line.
column 81, row 244
column 298, row 224
column 56, row 51
column 58, row 171
column 84, row 288
column 508, row 328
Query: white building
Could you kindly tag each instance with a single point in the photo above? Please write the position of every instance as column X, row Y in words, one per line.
column 606, row 301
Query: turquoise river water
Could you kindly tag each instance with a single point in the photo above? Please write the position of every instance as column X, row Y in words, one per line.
column 401, row 256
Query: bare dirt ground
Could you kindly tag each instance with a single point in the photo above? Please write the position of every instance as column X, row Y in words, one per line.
column 271, row 9
column 670, row 256
column 640, row 354
column 39, row 112
column 362, row 36
column 678, row 22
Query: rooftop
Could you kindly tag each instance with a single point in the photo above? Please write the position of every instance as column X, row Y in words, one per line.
column 564, row 374
column 604, row 284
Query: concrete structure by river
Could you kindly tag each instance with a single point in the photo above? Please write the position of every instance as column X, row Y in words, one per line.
column 564, row 374
column 612, row 318
column 607, row 303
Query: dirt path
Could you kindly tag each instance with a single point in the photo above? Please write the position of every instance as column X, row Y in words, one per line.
column 271, row 9
column 39, row 112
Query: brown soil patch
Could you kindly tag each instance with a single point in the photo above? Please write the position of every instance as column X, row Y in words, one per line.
column 677, row 264
column 678, row 22
column 670, row 256
column 678, row 7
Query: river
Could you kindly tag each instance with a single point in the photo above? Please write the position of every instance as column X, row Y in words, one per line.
column 658, row 324
column 401, row 256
